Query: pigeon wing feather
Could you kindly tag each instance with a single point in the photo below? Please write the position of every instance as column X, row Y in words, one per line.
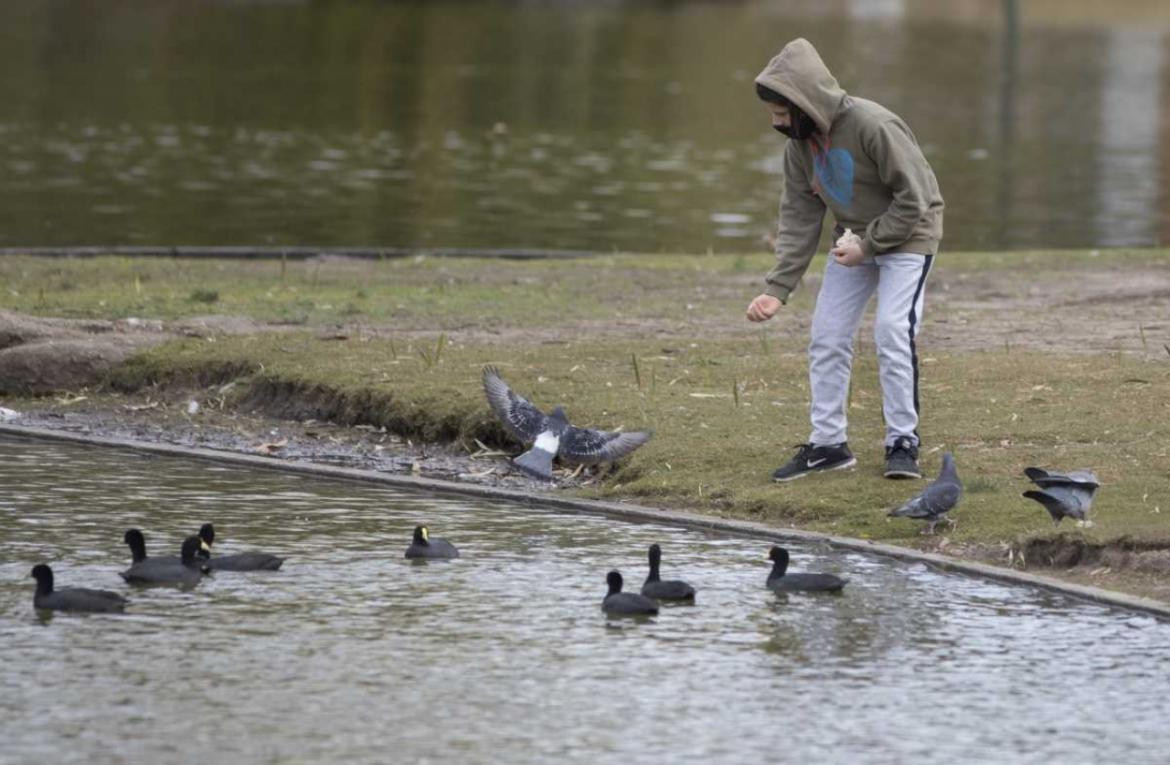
column 941, row 497
column 1047, row 478
column 523, row 419
column 590, row 447
column 934, row 500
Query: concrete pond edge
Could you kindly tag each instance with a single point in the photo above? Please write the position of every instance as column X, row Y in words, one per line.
column 618, row 510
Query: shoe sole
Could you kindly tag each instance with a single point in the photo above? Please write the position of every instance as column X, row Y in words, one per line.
column 847, row 464
column 901, row 474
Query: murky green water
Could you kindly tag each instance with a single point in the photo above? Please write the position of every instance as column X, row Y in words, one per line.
column 352, row 654
column 603, row 126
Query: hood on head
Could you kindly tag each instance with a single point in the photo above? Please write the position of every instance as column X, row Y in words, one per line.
column 798, row 73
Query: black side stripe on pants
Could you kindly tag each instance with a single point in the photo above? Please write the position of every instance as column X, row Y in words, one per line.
column 927, row 260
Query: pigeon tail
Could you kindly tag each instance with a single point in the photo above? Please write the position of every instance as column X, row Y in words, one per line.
column 536, row 462
column 911, row 509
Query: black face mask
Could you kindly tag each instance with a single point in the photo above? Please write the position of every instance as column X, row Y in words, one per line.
column 800, row 125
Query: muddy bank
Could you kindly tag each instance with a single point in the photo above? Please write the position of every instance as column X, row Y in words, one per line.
column 40, row 355
column 1067, row 551
column 183, row 420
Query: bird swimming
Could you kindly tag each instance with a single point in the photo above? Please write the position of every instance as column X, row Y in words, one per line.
column 672, row 589
column 1064, row 494
column 187, row 571
column 937, row 499
column 620, row 603
column 781, row 581
column 551, row 435
column 423, row 545
column 72, row 598
column 137, row 544
column 245, row 561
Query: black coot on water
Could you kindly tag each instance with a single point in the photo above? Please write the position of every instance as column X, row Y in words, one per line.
column 656, row 587
column 781, row 581
column 423, row 545
column 72, row 598
column 621, row 603
column 186, row 572
column 245, row 561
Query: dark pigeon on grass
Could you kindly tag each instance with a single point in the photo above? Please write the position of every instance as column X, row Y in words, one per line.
column 936, row 500
column 551, row 435
column 1064, row 494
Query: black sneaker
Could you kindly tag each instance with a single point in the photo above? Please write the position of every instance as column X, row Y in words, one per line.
column 813, row 459
column 902, row 459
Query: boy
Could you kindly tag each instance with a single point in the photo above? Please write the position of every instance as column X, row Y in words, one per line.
column 859, row 160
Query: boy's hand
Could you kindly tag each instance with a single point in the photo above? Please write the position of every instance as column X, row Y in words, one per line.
column 847, row 253
column 763, row 308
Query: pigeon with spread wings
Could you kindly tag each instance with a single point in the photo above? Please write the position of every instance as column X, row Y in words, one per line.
column 1064, row 494
column 551, row 435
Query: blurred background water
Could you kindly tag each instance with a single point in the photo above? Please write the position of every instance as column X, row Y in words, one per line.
column 606, row 126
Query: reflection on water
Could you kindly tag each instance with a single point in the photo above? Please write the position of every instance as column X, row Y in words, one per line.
column 603, row 126
column 351, row 653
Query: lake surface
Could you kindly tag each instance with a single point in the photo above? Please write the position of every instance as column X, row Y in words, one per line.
column 352, row 654
column 627, row 126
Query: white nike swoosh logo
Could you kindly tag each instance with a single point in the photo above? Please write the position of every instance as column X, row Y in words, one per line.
column 814, row 463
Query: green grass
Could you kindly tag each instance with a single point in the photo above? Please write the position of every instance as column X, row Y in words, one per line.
column 438, row 293
column 997, row 411
column 726, row 401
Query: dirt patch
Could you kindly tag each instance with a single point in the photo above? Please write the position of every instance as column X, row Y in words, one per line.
column 39, row 356
column 1076, row 310
column 53, row 365
column 1112, row 306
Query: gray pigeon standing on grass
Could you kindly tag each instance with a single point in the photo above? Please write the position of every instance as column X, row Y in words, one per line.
column 937, row 499
column 551, row 435
column 1064, row 494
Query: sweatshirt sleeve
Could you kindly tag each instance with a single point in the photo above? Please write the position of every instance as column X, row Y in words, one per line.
column 905, row 171
column 801, row 215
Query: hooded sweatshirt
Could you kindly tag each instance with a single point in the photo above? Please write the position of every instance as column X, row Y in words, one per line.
column 863, row 164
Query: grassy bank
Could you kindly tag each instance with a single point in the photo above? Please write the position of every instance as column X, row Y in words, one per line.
column 659, row 342
column 725, row 412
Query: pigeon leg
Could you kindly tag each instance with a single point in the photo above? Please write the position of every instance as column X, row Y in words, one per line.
column 928, row 529
column 952, row 522
column 576, row 472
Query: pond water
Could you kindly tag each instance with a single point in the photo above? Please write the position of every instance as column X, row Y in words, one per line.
column 352, row 654
column 599, row 126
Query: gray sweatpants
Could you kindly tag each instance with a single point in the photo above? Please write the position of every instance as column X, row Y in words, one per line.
column 899, row 280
